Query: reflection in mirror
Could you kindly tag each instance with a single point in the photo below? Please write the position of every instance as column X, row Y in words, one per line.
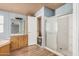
column 17, row 25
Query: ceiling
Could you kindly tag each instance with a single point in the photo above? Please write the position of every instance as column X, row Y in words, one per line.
column 27, row 8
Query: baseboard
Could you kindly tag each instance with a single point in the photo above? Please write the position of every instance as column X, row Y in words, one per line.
column 57, row 53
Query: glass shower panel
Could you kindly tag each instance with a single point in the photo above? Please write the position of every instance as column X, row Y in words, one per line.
column 59, row 34
column 51, row 33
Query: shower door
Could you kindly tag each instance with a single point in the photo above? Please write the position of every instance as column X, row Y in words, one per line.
column 64, row 35
column 51, row 32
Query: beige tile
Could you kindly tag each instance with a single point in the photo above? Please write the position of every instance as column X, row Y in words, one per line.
column 33, row 50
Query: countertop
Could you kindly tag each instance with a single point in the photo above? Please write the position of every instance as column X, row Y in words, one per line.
column 16, row 34
column 4, row 42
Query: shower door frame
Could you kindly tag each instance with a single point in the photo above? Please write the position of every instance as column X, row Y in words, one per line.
column 46, row 33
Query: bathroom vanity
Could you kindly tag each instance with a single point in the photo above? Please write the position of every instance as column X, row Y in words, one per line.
column 15, row 33
column 19, row 38
column 18, row 41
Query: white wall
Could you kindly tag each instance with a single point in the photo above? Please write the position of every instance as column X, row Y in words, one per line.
column 48, row 12
column 7, row 23
column 40, row 12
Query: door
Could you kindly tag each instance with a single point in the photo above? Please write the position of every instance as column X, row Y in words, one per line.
column 63, row 32
column 32, row 30
column 51, row 33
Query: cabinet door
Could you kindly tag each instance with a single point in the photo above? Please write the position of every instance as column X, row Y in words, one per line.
column 14, row 42
column 21, row 43
column 25, row 39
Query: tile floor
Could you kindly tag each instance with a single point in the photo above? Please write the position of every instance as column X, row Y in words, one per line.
column 33, row 50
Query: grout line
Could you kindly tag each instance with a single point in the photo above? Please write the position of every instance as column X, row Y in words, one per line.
column 57, row 53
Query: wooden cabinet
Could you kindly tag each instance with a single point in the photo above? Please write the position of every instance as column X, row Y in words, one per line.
column 5, row 50
column 21, row 41
column 14, row 42
column 25, row 40
column 18, row 41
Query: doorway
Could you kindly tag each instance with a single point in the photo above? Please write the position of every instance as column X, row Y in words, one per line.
column 39, row 35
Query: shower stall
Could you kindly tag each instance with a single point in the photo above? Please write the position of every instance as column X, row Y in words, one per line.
column 59, row 33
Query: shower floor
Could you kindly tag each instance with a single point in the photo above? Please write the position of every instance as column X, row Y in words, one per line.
column 66, row 52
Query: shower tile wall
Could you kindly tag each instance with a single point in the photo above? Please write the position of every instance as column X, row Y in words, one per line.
column 63, row 35
column 67, row 42
column 64, row 38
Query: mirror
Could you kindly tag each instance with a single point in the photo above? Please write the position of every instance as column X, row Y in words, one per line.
column 17, row 25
